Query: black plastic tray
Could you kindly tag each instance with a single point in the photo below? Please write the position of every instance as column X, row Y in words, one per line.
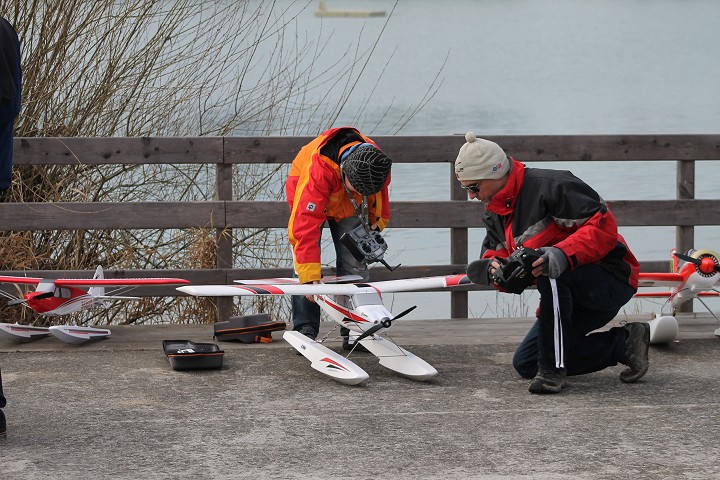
column 187, row 355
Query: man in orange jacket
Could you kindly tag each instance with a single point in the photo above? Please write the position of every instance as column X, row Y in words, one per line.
column 342, row 178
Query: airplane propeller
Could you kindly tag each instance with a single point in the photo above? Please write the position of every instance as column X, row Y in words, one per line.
column 706, row 265
column 18, row 301
column 383, row 324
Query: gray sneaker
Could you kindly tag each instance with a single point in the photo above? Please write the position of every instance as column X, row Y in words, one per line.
column 547, row 381
column 636, row 352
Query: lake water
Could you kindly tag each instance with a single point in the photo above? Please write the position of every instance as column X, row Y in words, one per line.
column 531, row 67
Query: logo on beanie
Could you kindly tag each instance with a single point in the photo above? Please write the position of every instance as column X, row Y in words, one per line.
column 497, row 167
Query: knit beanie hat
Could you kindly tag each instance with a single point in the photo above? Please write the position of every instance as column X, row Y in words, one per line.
column 366, row 167
column 480, row 159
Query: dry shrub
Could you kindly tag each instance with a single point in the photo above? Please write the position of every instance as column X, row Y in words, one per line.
column 134, row 68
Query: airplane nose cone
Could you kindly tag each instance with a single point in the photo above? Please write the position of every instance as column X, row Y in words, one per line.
column 707, row 265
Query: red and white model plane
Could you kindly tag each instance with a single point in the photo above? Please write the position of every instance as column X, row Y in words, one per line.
column 356, row 306
column 55, row 297
column 696, row 278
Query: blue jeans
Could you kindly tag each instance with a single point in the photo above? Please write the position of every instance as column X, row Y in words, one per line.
column 589, row 297
column 305, row 312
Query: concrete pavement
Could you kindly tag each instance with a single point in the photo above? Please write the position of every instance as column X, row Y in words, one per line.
column 115, row 409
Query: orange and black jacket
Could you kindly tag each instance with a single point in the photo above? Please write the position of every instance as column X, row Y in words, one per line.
column 542, row 208
column 315, row 192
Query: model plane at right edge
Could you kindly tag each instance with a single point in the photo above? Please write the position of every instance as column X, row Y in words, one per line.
column 696, row 278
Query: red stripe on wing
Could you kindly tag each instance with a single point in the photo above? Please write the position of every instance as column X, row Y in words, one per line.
column 455, row 280
column 263, row 290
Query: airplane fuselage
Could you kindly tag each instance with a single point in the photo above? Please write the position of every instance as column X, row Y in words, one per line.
column 695, row 283
column 357, row 312
column 63, row 301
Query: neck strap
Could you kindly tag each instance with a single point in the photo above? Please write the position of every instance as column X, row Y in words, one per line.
column 360, row 210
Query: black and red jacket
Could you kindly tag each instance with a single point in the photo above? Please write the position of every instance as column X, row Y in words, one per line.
column 553, row 208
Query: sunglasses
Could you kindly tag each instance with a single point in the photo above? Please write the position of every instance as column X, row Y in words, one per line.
column 471, row 188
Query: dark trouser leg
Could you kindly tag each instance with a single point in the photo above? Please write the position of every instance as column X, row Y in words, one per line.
column 525, row 359
column 3, row 402
column 6, row 146
column 345, row 261
column 305, row 312
column 589, row 298
column 3, row 424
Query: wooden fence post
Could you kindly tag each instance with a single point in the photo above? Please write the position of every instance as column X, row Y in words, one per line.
column 223, row 236
column 459, row 303
column 685, row 234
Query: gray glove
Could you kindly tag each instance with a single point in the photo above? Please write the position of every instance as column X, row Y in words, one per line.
column 479, row 271
column 555, row 261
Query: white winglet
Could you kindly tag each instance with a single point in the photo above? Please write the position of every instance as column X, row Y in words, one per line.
column 325, row 360
column 78, row 335
column 663, row 329
column 22, row 333
column 398, row 359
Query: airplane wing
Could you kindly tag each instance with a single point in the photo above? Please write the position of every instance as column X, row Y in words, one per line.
column 118, row 282
column 660, row 280
column 266, row 289
column 26, row 280
column 116, row 297
column 90, row 282
column 411, row 284
column 270, row 281
column 295, row 281
column 669, row 294
column 390, row 286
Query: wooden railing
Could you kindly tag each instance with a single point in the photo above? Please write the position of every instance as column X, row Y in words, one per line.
column 458, row 215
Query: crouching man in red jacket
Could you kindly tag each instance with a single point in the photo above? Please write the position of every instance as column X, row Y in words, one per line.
column 585, row 274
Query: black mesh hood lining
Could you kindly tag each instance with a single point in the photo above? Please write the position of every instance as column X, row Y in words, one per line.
column 367, row 169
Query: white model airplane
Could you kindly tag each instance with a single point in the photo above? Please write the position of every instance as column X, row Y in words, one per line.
column 55, row 297
column 356, row 306
column 696, row 278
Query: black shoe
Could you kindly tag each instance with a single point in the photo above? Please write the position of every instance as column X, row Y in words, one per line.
column 3, row 425
column 355, row 347
column 308, row 331
column 547, row 381
column 636, row 352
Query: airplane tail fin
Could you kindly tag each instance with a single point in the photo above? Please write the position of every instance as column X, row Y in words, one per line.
column 97, row 291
